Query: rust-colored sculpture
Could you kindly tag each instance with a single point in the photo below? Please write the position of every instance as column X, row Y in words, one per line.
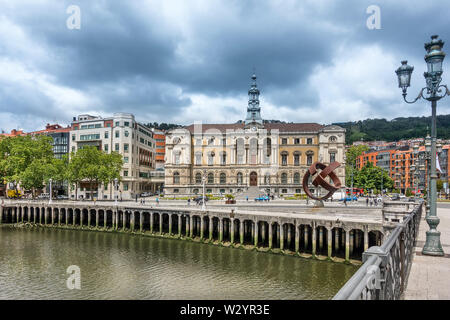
column 320, row 179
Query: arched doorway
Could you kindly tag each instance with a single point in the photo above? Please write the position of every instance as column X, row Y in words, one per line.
column 253, row 179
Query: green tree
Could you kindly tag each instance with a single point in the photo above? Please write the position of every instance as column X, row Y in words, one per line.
column 26, row 160
column 371, row 177
column 350, row 163
column 94, row 167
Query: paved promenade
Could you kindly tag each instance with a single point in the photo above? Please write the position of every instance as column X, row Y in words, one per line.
column 430, row 276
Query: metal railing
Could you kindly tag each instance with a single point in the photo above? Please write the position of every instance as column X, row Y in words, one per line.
column 384, row 273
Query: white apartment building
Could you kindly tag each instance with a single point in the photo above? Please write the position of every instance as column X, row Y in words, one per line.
column 120, row 133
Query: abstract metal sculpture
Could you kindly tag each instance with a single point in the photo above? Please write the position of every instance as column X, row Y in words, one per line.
column 320, row 179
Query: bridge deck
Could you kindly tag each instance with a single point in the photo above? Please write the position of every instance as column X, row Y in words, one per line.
column 430, row 276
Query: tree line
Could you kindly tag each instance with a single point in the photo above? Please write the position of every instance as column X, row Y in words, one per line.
column 29, row 162
column 396, row 129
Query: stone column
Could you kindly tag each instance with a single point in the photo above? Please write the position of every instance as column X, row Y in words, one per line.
column 124, row 219
column 241, row 231
column 252, row 231
column 352, row 236
column 270, row 234
column 161, row 218
column 52, row 210
column 202, row 227
column 220, row 230
column 187, row 226
column 66, row 212
column 210, row 226
column 314, row 239
column 105, row 218
column 170, row 224
column 281, row 237
column 343, row 233
column 232, row 230
column 179, row 225
column 256, row 233
column 151, row 222
column 89, row 218
column 1, row 214
column 347, row 245
column 191, row 225
column 96, row 218
column 366, row 238
column 141, row 222
column 330, row 242
column 132, row 221
column 336, row 240
column 114, row 222
column 74, row 218
column 306, row 235
column 320, row 238
column 297, row 238
column 356, row 239
column 34, row 215
column 81, row 216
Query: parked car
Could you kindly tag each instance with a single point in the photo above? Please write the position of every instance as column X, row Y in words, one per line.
column 146, row 194
column 200, row 199
column 354, row 198
column 262, row 198
column 395, row 197
column 43, row 196
column 62, row 197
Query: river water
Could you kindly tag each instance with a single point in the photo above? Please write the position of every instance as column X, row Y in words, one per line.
column 33, row 265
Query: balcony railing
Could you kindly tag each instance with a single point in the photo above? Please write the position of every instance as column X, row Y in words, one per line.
column 385, row 271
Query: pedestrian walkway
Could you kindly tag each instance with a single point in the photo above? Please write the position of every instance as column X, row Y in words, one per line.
column 430, row 276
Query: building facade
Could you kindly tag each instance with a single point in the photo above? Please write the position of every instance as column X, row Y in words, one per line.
column 123, row 134
column 231, row 158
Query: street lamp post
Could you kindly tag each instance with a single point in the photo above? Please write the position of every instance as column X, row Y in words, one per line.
column 116, row 181
column 203, row 185
column 433, row 92
column 50, row 201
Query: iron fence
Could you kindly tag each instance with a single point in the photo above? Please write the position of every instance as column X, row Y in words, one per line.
column 385, row 270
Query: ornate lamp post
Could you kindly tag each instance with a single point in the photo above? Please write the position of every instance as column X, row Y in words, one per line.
column 433, row 92
column 204, row 197
column 116, row 181
column 50, row 201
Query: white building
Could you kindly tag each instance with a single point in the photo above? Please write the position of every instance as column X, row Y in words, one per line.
column 120, row 133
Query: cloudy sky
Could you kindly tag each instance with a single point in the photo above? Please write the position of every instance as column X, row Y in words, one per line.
column 182, row 61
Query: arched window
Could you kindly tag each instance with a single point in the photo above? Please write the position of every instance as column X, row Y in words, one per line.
column 210, row 178
column 309, row 157
column 240, row 151
column 176, row 178
column 284, row 178
column 284, row 158
column 223, row 178
column 267, row 147
column 198, row 158
column 240, row 178
column 297, row 155
column 198, row 178
column 333, row 139
column 253, row 151
column 296, row 178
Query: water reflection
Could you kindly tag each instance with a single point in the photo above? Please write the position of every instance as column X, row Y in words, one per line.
column 33, row 265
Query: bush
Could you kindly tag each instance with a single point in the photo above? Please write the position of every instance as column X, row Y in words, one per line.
column 229, row 196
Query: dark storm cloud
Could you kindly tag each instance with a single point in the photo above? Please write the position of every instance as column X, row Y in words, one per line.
column 155, row 58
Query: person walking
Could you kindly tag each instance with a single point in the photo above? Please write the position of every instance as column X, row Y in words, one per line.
column 247, row 198
column 189, row 201
column 367, row 201
column 157, row 200
column 345, row 201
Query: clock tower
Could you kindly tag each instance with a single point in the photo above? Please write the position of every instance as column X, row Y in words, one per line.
column 253, row 110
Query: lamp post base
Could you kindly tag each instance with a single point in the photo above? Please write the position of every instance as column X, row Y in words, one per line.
column 319, row 204
column 433, row 245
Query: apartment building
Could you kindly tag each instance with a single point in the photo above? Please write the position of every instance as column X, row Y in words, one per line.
column 123, row 134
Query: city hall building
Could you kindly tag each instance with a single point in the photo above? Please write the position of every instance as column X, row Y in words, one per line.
column 252, row 154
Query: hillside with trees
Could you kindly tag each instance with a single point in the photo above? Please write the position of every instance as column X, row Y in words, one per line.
column 394, row 130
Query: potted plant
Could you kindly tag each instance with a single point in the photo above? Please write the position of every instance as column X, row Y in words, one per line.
column 230, row 199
